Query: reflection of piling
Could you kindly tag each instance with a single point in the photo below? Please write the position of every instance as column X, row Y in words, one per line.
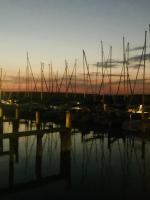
column 13, row 150
column 65, row 156
column 15, row 125
column 37, row 119
column 1, row 126
column 1, row 129
column 11, row 163
column 39, row 150
column 68, row 119
column 1, row 133
column 143, row 149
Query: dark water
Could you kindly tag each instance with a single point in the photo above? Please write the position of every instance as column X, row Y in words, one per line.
column 74, row 164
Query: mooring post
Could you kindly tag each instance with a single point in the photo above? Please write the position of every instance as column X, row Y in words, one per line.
column 1, row 129
column 17, row 113
column 68, row 119
column 1, row 113
column 1, row 120
column 37, row 119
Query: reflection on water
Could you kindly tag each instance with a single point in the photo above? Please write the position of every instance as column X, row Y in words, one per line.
column 72, row 163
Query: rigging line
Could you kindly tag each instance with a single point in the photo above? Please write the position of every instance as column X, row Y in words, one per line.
column 136, row 76
column 32, row 74
column 2, row 79
column 126, row 63
column 56, row 81
column 87, row 66
column 103, row 70
column 37, row 79
column 61, row 81
column 44, row 78
column 119, row 81
column 138, row 70
column 101, row 85
column 71, row 77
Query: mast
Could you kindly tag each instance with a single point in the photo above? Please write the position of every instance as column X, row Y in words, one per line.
column 124, row 71
column 19, row 83
column 96, row 78
column 27, row 76
column 143, row 94
column 49, row 78
column 1, row 73
column 110, row 89
column 42, row 81
column 75, row 77
column 66, row 71
column 57, row 82
column 102, row 52
column 127, row 64
column 84, row 75
column 88, row 71
column 52, row 78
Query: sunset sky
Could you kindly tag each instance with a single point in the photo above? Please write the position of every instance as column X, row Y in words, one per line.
column 55, row 30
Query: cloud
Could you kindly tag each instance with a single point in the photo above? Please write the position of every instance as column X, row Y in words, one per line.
column 136, row 48
column 136, row 66
column 138, row 57
column 106, row 65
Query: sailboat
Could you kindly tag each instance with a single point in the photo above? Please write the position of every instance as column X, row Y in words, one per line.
column 142, row 124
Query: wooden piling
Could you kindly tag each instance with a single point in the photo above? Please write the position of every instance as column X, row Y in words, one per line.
column 37, row 119
column 17, row 113
column 68, row 119
column 1, row 113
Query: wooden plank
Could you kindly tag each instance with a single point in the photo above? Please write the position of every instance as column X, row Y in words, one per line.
column 32, row 132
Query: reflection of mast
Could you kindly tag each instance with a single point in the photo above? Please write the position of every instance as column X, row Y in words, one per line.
column 39, row 150
column 65, row 157
column 11, row 163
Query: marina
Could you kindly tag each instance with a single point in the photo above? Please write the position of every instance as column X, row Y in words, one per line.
column 74, row 99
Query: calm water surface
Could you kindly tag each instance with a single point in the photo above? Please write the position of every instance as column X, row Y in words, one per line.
column 73, row 164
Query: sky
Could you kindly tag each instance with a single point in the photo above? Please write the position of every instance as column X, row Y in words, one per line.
column 55, row 30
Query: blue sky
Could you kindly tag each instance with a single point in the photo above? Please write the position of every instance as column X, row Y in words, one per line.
column 55, row 30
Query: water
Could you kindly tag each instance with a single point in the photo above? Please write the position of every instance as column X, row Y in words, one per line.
column 73, row 164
